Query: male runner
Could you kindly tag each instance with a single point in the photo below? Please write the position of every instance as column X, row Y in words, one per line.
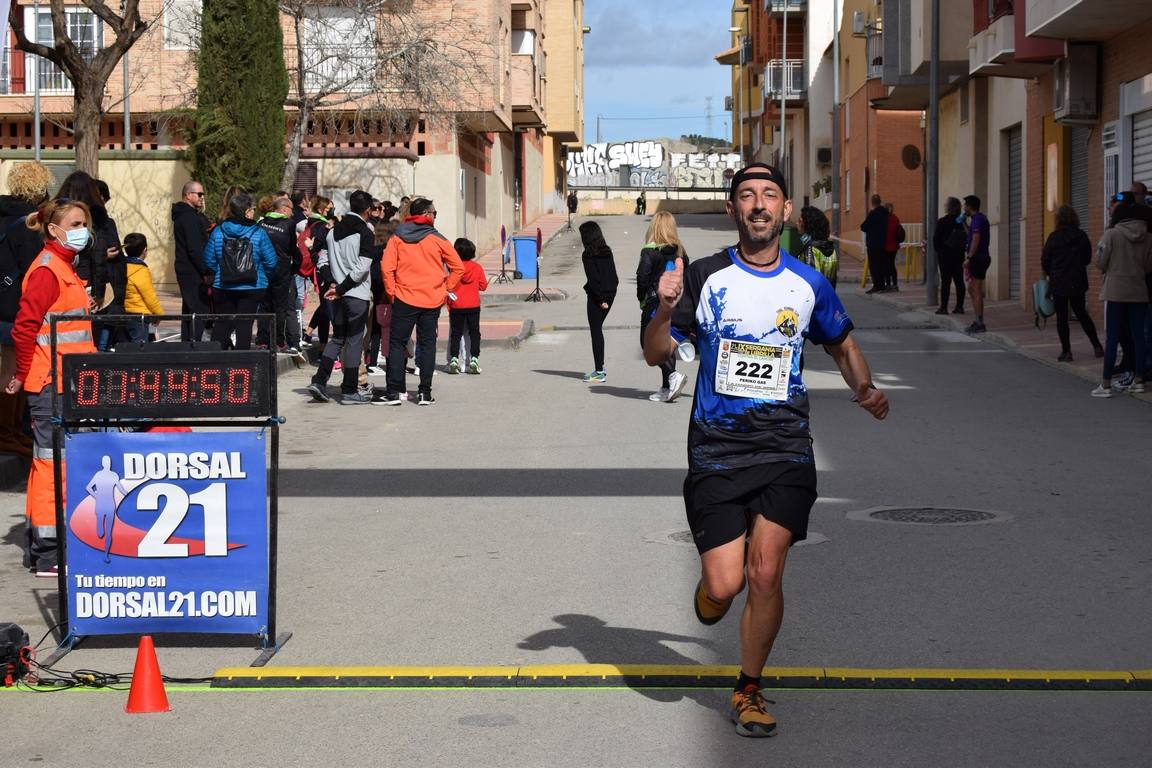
column 102, row 488
column 751, row 479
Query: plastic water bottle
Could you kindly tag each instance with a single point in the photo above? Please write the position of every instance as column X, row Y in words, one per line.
column 686, row 351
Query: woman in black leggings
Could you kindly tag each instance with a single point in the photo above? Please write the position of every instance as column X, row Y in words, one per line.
column 1065, row 259
column 600, row 270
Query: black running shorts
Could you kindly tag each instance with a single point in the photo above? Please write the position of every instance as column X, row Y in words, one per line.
column 978, row 266
column 720, row 505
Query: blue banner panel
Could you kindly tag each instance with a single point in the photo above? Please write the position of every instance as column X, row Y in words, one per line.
column 167, row 532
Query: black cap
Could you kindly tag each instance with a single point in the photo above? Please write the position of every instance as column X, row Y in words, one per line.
column 758, row 171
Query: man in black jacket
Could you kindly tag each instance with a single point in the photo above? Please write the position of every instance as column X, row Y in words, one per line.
column 190, row 233
column 280, row 299
column 875, row 228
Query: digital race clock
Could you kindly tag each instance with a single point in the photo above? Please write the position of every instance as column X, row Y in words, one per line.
column 172, row 385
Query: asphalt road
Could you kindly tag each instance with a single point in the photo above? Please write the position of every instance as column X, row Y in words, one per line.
column 529, row 518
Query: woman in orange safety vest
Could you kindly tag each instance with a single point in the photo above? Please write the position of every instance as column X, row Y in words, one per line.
column 51, row 289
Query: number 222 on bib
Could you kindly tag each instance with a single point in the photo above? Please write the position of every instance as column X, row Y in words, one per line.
column 754, row 370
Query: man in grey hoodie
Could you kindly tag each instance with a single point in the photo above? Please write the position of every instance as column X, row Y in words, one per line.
column 344, row 280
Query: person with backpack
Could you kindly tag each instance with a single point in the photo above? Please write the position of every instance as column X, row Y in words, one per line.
column 1067, row 254
column 28, row 187
column 241, row 257
column 819, row 250
column 662, row 248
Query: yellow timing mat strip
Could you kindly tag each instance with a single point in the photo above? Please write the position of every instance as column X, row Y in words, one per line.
column 680, row 676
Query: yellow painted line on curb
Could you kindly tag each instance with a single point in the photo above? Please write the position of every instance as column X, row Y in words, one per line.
column 689, row 676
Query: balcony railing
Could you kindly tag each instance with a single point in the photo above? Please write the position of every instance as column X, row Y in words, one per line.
column 792, row 72
column 778, row 6
column 875, row 53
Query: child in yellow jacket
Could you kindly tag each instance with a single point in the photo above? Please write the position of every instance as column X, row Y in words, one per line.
column 140, row 298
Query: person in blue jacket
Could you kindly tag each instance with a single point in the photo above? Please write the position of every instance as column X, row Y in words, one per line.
column 242, row 297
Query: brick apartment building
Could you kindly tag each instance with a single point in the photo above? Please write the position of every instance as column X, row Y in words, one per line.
column 501, row 164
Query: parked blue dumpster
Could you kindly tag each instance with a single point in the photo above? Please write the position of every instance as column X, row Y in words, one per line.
column 524, row 247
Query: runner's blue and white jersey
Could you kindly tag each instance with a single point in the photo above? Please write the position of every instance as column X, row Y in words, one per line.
column 751, row 405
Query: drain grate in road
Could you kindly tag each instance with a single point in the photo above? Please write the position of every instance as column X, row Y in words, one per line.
column 928, row 516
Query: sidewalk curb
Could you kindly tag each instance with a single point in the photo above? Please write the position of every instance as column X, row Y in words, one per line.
column 949, row 323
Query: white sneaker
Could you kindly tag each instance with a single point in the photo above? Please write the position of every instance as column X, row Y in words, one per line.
column 661, row 396
column 1101, row 391
column 676, row 383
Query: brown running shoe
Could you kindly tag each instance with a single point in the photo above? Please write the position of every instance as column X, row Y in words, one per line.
column 709, row 611
column 749, row 715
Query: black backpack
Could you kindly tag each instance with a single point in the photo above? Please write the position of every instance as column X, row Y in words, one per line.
column 237, row 267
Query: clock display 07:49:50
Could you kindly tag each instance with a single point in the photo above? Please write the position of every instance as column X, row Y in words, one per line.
column 170, row 385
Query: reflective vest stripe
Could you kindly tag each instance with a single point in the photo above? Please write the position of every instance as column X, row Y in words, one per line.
column 45, row 531
column 46, row 454
column 64, row 337
column 67, row 313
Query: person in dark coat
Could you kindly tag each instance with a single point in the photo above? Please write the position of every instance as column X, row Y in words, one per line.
column 600, row 269
column 190, row 234
column 948, row 242
column 875, row 229
column 1067, row 254
column 100, row 264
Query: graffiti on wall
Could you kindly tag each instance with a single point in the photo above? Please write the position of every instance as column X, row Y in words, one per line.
column 647, row 164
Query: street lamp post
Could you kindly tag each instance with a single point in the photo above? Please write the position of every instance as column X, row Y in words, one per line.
column 783, row 88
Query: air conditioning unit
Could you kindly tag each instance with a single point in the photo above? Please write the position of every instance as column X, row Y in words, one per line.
column 823, row 155
column 1075, row 85
column 859, row 23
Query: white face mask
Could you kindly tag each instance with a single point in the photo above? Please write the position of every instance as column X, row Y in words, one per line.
column 76, row 239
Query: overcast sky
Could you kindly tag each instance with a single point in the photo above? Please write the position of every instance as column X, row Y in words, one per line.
column 654, row 58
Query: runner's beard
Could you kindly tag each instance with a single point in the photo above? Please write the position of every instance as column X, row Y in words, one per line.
column 745, row 230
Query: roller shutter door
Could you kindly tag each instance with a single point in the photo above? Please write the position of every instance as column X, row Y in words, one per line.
column 1078, row 170
column 1142, row 147
column 1015, row 207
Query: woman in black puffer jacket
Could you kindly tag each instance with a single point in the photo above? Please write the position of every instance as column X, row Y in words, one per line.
column 601, row 287
column 1067, row 254
column 661, row 248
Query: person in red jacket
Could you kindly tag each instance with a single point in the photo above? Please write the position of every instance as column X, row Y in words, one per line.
column 464, row 308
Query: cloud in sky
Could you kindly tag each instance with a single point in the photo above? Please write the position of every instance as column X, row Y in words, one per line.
column 654, row 58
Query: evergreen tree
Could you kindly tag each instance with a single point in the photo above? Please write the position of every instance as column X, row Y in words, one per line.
column 239, row 131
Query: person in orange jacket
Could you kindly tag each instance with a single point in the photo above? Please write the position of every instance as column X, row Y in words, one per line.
column 51, row 288
column 414, row 276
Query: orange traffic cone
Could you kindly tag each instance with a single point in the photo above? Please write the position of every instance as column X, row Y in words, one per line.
column 147, row 693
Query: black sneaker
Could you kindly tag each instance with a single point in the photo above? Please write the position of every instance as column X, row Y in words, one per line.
column 318, row 393
column 425, row 399
column 942, row 311
column 388, row 399
column 976, row 327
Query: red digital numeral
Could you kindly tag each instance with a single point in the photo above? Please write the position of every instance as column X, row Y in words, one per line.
column 149, row 387
column 88, row 388
column 117, row 387
column 239, row 384
column 176, row 385
column 210, row 386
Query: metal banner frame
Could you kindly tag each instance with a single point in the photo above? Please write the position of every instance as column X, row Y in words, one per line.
column 64, row 420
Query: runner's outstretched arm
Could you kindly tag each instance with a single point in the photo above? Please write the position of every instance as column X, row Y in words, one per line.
column 854, row 368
